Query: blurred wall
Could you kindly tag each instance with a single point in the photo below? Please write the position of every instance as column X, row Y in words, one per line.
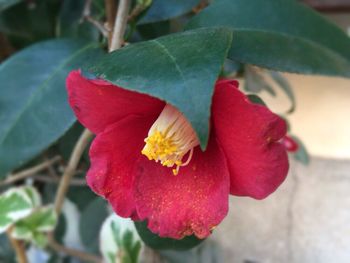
column 322, row 116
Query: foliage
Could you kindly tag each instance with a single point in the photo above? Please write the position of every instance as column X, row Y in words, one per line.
column 46, row 39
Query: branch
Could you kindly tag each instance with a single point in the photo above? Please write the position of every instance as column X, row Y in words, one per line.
column 120, row 25
column 69, row 172
column 86, row 15
column 98, row 25
column 30, row 171
column 138, row 9
column 86, row 257
column 18, row 246
column 51, row 180
column 111, row 11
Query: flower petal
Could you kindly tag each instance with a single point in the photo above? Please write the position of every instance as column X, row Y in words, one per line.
column 113, row 154
column 97, row 103
column 193, row 202
column 248, row 134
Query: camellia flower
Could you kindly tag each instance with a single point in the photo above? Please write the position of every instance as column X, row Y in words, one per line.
column 146, row 160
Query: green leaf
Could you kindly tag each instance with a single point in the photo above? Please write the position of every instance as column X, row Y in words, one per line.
column 154, row 241
column 180, row 68
column 161, row 10
column 26, row 23
column 256, row 99
column 285, row 86
column 71, row 22
column 33, row 195
column 7, row 3
column 255, row 82
column 16, row 203
column 33, row 227
column 119, row 240
column 207, row 252
column 34, row 109
column 302, row 154
column 6, row 251
column 82, row 197
column 91, row 220
column 283, row 35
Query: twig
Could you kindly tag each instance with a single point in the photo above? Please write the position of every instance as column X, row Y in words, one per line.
column 78, row 151
column 87, row 9
column 98, row 25
column 120, row 25
column 138, row 9
column 51, row 180
column 203, row 4
column 86, row 15
column 18, row 246
column 73, row 252
column 50, row 169
column 30, row 171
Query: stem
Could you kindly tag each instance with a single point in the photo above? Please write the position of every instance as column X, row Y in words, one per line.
column 111, row 11
column 73, row 252
column 120, row 25
column 30, row 171
column 18, row 247
column 70, row 169
column 50, row 180
column 136, row 11
column 98, row 25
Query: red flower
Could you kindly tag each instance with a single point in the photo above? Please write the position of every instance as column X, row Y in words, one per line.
column 244, row 155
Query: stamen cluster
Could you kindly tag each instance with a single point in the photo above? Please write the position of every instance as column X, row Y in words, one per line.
column 170, row 138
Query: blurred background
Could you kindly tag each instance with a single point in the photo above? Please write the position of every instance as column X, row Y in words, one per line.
column 308, row 219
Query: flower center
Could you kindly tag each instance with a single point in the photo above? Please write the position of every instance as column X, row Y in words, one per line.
column 170, row 138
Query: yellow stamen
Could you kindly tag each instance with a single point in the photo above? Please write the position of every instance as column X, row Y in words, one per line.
column 170, row 138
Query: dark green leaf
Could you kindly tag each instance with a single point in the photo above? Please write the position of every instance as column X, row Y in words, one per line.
column 90, row 223
column 256, row 99
column 81, row 196
column 179, row 68
column 7, row 3
column 27, row 23
column 154, row 30
column 71, row 23
column 282, row 35
column 255, row 82
column 61, row 228
column 285, row 86
column 67, row 142
column 301, row 155
column 161, row 10
column 7, row 254
column 33, row 104
column 206, row 252
column 156, row 242
column 231, row 68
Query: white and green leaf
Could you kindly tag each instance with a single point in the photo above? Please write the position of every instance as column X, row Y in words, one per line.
column 33, row 227
column 119, row 240
column 16, row 204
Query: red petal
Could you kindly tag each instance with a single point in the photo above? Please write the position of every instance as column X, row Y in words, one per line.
column 290, row 144
column 194, row 201
column 113, row 154
column 97, row 103
column 249, row 135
